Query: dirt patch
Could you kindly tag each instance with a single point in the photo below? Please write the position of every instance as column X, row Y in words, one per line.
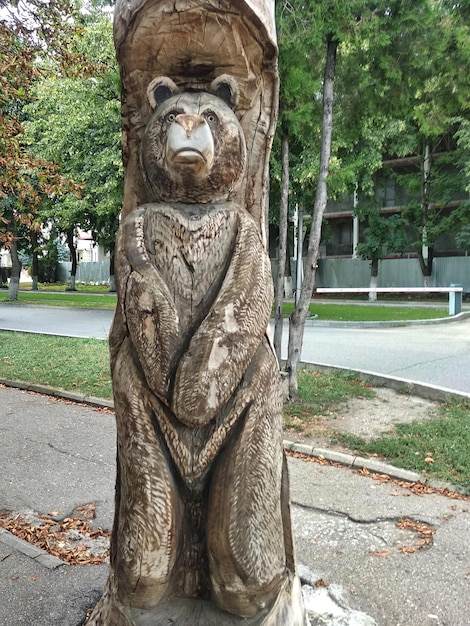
column 368, row 417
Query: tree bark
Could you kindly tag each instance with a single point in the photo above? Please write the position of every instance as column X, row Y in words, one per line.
column 196, row 383
column 297, row 319
column 282, row 254
column 425, row 262
column 374, row 272
column 16, row 266
column 35, row 261
column 73, row 258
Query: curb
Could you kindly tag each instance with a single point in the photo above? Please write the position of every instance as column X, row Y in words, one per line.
column 427, row 392
column 61, row 394
column 348, row 460
column 356, row 462
column 393, row 324
column 33, row 552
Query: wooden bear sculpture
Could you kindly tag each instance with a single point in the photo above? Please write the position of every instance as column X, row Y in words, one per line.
column 202, row 524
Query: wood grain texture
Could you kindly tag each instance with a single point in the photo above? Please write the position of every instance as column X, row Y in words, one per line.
column 202, row 531
column 194, row 42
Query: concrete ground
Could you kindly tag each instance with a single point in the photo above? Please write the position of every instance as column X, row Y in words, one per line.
column 374, row 551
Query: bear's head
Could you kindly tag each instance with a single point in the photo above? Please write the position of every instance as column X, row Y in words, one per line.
column 193, row 148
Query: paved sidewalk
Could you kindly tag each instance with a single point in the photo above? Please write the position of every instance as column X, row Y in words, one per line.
column 358, row 538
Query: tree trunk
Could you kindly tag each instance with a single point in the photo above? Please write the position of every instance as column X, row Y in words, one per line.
column 112, row 279
column 16, row 266
column 297, row 319
column 73, row 258
column 374, row 272
column 282, row 254
column 35, row 261
column 425, row 252
column 426, row 264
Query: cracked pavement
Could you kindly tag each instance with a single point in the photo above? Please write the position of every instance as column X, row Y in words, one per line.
column 346, row 529
column 56, row 456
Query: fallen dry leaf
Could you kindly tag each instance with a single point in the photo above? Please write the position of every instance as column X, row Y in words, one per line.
column 423, row 530
column 54, row 537
column 417, row 488
column 381, row 553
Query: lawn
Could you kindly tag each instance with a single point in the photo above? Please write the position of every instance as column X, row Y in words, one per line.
column 437, row 447
column 101, row 298
column 78, row 365
column 79, row 299
column 325, row 311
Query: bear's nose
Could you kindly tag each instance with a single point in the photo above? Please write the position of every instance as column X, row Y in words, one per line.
column 189, row 122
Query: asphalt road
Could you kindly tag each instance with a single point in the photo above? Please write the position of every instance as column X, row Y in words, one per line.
column 432, row 354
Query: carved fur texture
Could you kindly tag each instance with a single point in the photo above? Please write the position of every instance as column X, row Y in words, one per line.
column 202, row 511
column 193, row 149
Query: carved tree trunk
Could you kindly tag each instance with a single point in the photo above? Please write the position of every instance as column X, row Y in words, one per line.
column 202, row 532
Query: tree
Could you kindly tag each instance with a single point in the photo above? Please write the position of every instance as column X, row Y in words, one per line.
column 297, row 319
column 298, row 136
column 75, row 122
column 313, row 27
column 381, row 235
column 283, row 251
column 423, row 59
column 400, row 85
column 27, row 29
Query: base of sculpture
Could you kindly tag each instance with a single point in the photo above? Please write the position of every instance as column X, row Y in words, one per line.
column 287, row 610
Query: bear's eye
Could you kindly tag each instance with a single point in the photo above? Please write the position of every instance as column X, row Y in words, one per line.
column 211, row 117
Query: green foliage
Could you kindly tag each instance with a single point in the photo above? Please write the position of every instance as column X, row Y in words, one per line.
column 401, row 84
column 47, row 262
column 382, row 234
column 33, row 44
column 75, row 122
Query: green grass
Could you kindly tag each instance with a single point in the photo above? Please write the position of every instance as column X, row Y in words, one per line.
column 369, row 313
column 83, row 300
column 98, row 297
column 438, row 448
column 319, row 393
column 80, row 287
column 78, row 365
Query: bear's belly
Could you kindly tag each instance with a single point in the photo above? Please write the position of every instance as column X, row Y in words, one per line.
column 191, row 247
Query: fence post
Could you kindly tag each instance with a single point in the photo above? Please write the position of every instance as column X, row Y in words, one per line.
column 455, row 300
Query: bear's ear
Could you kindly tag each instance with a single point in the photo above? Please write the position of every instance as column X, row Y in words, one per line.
column 226, row 88
column 160, row 89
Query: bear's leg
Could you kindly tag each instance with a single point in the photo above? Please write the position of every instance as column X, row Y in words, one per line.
column 245, row 530
column 148, row 509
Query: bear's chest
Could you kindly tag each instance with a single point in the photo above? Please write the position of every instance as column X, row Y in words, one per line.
column 191, row 246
